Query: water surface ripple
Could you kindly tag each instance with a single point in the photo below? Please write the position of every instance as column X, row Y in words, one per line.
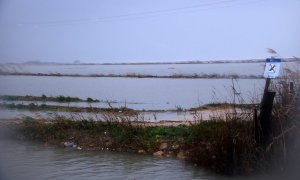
column 23, row 160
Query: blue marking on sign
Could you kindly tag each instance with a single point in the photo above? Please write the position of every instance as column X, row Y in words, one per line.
column 271, row 60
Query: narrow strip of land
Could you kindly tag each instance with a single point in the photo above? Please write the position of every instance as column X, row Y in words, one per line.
column 135, row 75
column 44, row 98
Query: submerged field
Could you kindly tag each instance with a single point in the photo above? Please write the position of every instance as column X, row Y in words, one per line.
column 215, row 85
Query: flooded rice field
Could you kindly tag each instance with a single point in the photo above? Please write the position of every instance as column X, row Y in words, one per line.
column 137, row 93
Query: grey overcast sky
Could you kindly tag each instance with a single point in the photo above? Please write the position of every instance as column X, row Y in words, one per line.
column 147, row 30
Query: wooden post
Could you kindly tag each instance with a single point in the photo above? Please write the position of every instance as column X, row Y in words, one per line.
column 263, row 125
column 267, row 85
column 265, row 116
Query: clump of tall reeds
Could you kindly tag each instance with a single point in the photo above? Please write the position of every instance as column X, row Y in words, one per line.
column 224, row 146
column 232, row 147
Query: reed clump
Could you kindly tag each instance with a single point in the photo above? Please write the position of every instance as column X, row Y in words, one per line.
column 224, row 146
column 282, row 148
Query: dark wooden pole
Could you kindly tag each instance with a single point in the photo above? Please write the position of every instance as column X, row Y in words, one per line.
column 265, row 116
column 267, row 85
column 265, row 123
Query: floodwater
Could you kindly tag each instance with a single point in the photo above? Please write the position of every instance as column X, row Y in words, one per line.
column 139, row 94
column 143, row 116
column 26, row 160
column 150, row 69
column 145, row 93
column 35, row 161
column 255, row 69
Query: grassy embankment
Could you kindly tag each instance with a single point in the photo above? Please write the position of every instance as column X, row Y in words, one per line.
column 47, row 98
column 218, row 145
column 58, row 108
column 67, row 99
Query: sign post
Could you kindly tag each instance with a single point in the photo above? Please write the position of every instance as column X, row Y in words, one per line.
column 272, row 68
